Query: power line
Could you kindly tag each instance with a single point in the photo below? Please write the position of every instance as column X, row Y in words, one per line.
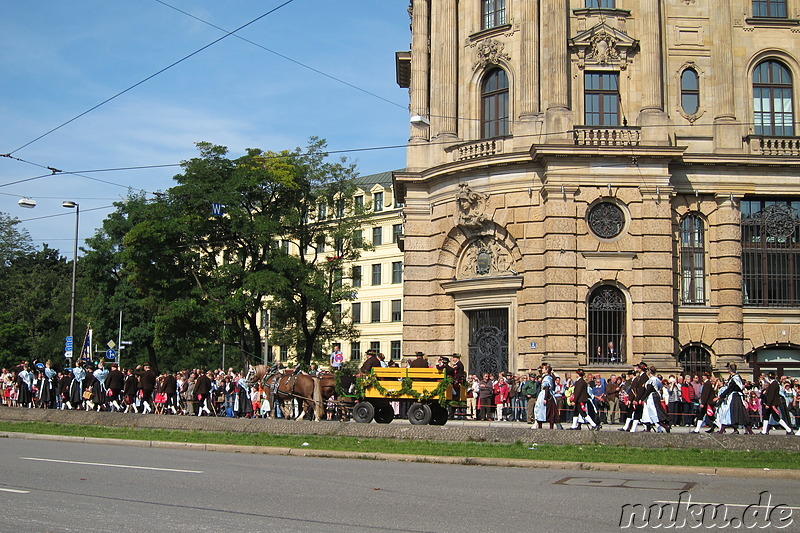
column 150, row 77
column 287, row 58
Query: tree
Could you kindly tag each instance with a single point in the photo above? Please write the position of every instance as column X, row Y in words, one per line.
column 270, row 248
column 14, row 241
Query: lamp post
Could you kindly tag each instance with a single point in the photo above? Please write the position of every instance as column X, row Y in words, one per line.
column 70, row 205
column 29, row 203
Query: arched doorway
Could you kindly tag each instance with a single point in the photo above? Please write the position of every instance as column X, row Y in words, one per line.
column 606, row 342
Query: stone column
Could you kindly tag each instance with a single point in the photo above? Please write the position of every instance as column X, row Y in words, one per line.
column 419, row 68
column 529, row 64
column 728, row 281
column 444, row 62
column 727, row 134
column 555, row 61
column 652, row 118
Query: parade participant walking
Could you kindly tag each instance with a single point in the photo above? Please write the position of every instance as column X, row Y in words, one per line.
column 731, row 411
column 545, row 408
column 636, row 396
column 129, row 389
column 24, row 386
column 147, row 384
column 115, row 382
column 202, row 390
column 170, row 388
column 99, row 391
column 705, row 413
column 583, row 412
column 773, row 407
column 653, row 413
column 76, row 386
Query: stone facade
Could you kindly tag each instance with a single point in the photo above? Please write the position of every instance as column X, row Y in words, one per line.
column 563, row 207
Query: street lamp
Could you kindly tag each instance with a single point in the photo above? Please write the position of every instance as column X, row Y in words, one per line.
column 70, row 205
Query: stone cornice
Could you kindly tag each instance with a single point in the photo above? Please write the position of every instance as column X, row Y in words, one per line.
column 541, row 152
column 740, row 160
column 491, row 284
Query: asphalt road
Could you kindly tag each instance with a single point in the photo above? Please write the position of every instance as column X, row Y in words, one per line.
column 60, row 486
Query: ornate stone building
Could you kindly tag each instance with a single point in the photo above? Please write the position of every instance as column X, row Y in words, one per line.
column 599, row 182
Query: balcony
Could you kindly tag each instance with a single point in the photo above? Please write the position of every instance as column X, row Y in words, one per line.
column 607, row 136
column 773, row 146
column 477, row 150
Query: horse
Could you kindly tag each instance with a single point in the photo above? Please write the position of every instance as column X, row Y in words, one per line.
column 280, row 387
column 328, row 389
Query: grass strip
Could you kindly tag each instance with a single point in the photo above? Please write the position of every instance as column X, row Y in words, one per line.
column 773, row 459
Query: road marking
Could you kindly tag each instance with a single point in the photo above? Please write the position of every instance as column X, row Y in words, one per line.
column 15, row 491
column 113, row 466
column 725, row 504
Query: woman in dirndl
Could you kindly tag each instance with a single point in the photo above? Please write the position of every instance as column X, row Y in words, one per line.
column 731, row 410
column 545, row 409
column 654, row 413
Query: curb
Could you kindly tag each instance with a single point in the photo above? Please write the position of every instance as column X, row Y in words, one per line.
column 433, row 459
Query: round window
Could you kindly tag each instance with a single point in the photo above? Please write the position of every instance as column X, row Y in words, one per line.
column 606, row 220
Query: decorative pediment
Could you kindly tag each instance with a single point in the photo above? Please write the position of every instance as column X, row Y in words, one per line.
column 604, row 46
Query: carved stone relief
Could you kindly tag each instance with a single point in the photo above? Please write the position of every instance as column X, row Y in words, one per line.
column 490, row 52
column 485, row 256
column 471, row 207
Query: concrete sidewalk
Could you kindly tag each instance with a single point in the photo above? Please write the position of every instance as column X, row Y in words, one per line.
column 455, row 430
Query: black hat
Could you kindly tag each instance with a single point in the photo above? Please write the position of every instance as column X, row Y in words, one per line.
column 445, row 359
column 419, row 354
column 372, row 351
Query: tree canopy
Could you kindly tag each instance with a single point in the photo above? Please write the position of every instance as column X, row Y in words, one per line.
column 233, row 242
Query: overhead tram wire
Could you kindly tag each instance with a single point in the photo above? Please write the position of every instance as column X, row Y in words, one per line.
column 56, row 172
column 287, row 58
column 287, row 2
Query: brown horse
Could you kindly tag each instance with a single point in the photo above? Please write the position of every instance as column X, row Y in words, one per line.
column 328, row 389
column 280, row 387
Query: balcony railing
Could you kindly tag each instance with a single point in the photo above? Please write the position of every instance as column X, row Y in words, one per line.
column 607, row 135
column 479, row 149
column 777, row 146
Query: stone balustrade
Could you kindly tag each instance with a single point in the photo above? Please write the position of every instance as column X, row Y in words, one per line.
column 607, row 136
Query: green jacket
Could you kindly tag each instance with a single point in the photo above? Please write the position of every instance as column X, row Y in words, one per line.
column 530, row 388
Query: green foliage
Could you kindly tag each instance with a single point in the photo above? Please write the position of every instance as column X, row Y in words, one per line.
column 35, row 305
column 181, row 273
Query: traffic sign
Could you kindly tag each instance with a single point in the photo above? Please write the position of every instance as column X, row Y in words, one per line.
column 111, row 344
column 111, row 354
column 68, row 348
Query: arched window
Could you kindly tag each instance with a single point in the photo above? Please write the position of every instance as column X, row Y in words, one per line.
column 772, row 100
column 693, row 272
column 690, row 91
column 695, row 360
column 494, row 95
column 494, row 13
column 606, row 326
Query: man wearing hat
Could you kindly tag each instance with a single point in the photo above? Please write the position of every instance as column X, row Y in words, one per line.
column 418, row 361
column 371, row 362
column 459, row 374
column 115, row 382
column 147, row 384
column 637, row 397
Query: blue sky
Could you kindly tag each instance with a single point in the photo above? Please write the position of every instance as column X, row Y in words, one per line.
column 60, row 59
